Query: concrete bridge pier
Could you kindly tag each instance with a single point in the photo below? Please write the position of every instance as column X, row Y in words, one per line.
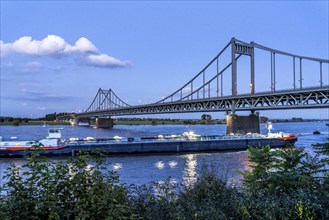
column 242, row 124
column 80, row 121
column 104, row 123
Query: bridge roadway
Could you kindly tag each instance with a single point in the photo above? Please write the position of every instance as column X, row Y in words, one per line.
column 314, row 97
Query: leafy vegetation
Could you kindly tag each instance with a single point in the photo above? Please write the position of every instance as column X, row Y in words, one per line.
column 79, row 188
column 283, row 184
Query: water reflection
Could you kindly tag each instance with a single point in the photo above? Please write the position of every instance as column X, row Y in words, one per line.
column 189, row 173
column 172, row 164
column 117, row 166
column 160, row 165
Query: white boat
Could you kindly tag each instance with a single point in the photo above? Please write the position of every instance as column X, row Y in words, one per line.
column 52, row 142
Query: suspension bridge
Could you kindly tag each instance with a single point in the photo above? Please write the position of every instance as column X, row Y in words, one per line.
column 207, row 90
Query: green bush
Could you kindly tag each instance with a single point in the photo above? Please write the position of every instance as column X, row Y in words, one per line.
column 156, row 200
column 208, row 198
column 283, row 184
column 75, row 189
column 16, row 122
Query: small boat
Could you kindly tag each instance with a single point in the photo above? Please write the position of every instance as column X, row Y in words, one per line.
column 52, row 142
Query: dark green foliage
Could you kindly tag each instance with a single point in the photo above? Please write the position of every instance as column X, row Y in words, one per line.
column 50, row 117
column 284, row 184
column 16, row 122
column 206, row 117
column 208, row 198
column 76, row 189
column 156, row 200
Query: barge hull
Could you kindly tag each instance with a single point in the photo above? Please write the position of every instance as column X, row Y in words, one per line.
column 175, row 146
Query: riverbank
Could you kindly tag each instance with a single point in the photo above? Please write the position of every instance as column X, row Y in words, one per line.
column 150, row 121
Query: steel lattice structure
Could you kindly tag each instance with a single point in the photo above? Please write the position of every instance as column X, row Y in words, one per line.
column 209, row 95
column 297, row 99
column 106, row 99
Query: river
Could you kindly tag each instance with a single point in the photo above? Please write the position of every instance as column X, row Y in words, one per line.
column 184, row 167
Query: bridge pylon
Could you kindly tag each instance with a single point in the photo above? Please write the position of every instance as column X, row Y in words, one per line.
column 237, row 124
column 241, row 48
column 104, row 122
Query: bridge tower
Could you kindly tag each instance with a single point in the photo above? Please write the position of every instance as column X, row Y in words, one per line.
column 235, row 123
column 241, row 48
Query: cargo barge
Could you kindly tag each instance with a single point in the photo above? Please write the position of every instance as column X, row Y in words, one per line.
column 54, row 145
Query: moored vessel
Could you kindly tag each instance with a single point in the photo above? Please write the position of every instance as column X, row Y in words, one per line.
column 52, row 142
column 53, row 145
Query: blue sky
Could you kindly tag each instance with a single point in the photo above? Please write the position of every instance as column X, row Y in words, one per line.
column 56, row 54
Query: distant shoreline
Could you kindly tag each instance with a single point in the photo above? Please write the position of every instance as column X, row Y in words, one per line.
column 135, row 121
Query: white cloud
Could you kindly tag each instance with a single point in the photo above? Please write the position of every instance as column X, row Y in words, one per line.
column 83, row 45
column 104, row 60
column 51, row 45
column 4, row 49
column 54, row 45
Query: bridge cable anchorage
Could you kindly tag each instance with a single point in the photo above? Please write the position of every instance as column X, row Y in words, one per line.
column 205, row 91
column 106, row 99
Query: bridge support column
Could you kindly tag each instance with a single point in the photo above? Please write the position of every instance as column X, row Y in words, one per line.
column 242, row 124
column 80, row 121
column 104, row 123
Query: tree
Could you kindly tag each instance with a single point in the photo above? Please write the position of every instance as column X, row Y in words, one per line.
column 206, row 117
column 50, row 117
column 283, row 184
column 79, row 188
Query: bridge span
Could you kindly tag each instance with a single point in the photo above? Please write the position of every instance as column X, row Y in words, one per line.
column 205, row 91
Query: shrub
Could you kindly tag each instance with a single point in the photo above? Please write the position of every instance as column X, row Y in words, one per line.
column 208, row 198
column 284, row 184
column 155, row 200
column 16, row 122
column 75, row 189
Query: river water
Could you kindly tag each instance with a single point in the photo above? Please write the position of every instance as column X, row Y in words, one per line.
column 184, row 167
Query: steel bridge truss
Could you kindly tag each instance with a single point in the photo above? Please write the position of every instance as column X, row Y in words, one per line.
column 106, row 99
column 204, row 92
column 296, row 99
